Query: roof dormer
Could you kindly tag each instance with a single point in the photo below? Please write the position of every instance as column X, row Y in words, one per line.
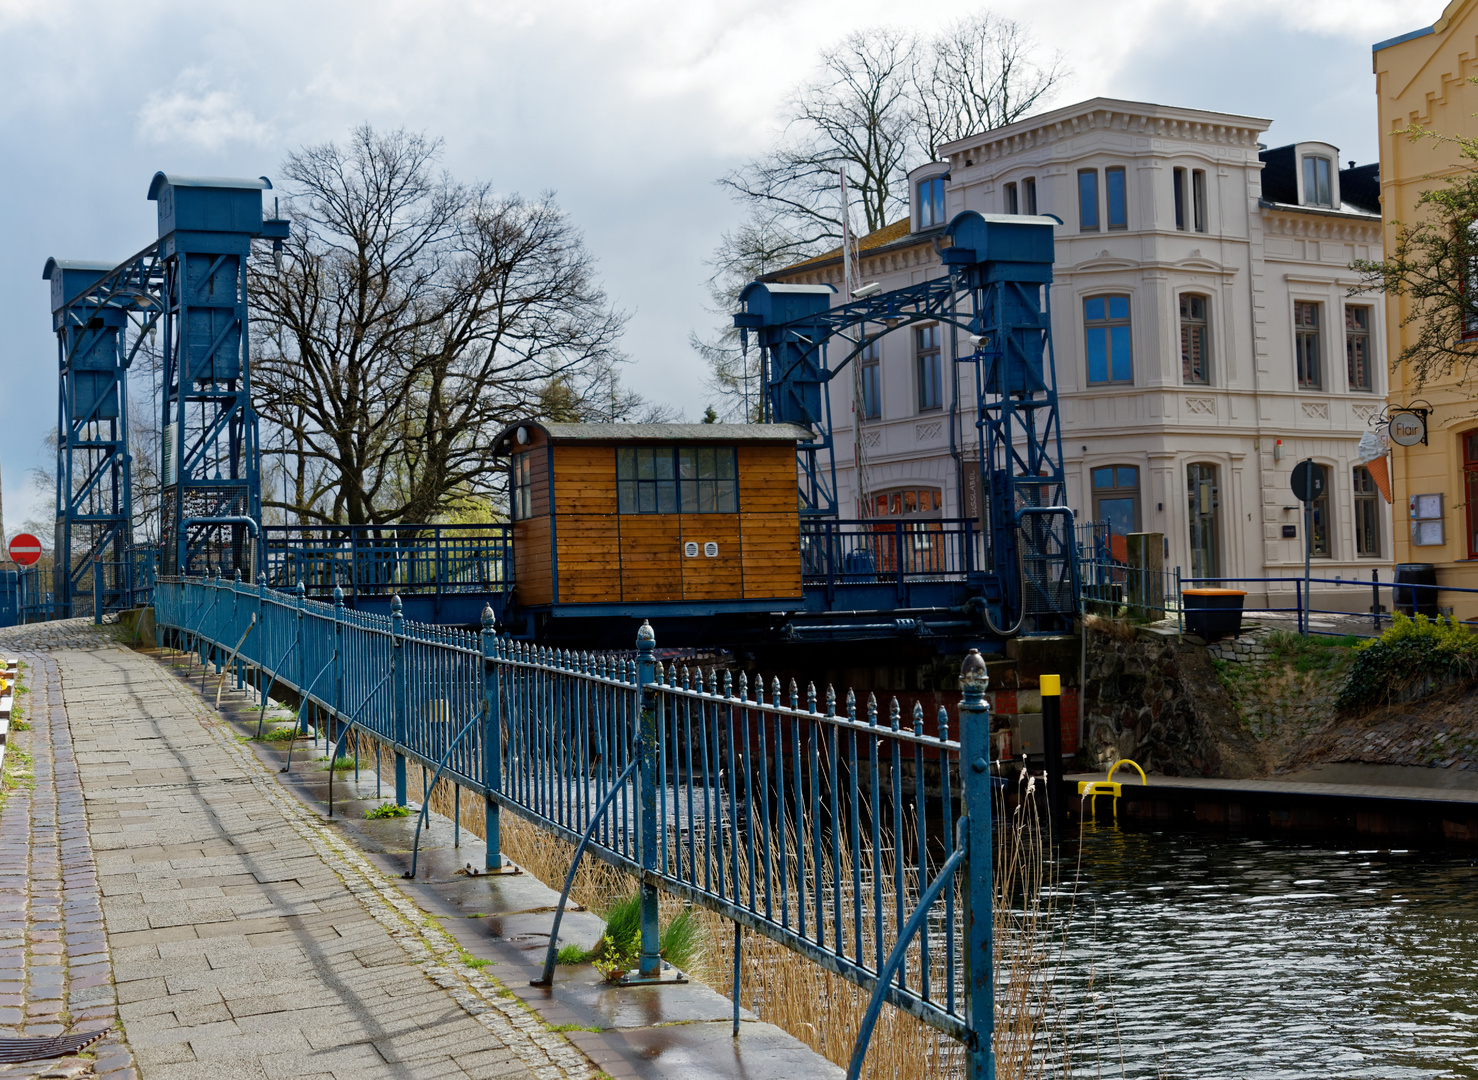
column 926, row 186
column 1303, row 174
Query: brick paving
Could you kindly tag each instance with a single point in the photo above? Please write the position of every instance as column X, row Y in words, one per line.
column 243, row 938
column 55, row 970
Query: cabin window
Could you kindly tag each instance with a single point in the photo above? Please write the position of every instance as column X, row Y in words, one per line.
column 669, row 480
column 523, row 487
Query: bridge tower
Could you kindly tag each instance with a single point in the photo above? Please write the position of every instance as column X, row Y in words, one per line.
column 211, row 468
column 94, row 512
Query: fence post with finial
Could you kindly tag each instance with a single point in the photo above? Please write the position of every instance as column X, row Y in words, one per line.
column 492, row 739
column 397, row 634
column 649, row 965
column 975, row 830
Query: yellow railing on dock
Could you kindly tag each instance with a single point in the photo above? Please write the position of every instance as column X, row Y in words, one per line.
column 1091, row 789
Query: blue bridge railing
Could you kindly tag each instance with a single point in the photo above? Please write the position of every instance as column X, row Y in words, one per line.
column 844, row 834
column 381, row 560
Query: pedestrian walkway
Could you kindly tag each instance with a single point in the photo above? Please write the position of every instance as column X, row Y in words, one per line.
column 246, row 936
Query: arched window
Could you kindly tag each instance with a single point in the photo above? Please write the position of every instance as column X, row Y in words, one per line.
column 1195, row 343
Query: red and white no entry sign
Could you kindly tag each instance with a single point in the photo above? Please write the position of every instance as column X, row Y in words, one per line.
column 25, row 549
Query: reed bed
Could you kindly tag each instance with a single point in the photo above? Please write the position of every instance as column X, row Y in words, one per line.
column 1038, row 1033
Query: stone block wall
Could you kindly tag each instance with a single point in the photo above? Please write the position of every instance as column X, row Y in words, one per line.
column 1153, row 696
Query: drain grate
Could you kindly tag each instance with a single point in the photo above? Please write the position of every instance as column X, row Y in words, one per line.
column 12, row 1050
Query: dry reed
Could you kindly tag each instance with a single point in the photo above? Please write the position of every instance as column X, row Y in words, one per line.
column 1037, row 1034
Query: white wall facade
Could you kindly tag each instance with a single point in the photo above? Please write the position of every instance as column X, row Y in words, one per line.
column 1250, row 263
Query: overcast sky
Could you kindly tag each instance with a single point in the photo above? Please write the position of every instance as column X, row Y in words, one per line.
column 628, row 111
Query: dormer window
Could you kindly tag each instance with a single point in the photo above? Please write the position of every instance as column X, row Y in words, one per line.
column 1317, row 190
column 931, row 202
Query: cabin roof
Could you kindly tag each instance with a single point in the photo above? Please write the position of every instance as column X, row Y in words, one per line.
column 610, row 433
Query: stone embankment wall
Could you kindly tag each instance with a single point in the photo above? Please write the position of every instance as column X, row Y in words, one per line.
column 1153, row 695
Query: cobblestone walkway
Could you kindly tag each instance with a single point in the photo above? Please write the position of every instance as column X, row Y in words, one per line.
column 247, row 940
column 55, row 973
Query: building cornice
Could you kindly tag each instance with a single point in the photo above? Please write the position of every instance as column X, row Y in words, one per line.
column 1283, row 219
column 1107, row 115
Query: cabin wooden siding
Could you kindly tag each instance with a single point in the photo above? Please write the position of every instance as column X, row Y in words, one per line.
column 533, row 549
column 589, row 542
column 601, row 556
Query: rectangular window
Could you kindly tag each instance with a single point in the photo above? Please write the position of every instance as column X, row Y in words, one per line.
column 1010, row 200
column 1367, row 515
column 1178, row 184
column 1195, row 358
column 1029, row 195
column 870, row 375
column 666, row 479
column 1106, row 327
column 706, row 480
column 931, row 202
column 1306, row 345
column 926, row 351
column 1118, row 199
column 1470, row 477
column 1357, row 347
column 1316, row 182
column 1088, row 200
column 523, row 487
column 1198, row 198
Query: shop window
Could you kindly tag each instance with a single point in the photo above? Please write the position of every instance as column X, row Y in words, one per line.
column 1116, row 500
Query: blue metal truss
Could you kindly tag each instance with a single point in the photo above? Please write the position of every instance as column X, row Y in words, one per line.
column 91, row 316
column 192, row 284
column 994, row 289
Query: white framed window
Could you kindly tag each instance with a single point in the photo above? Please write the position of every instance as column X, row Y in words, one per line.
column 1178, row 182
column 931, row 202
column 871, row 371
column 1087, row 200
column 1306, row 345
column 1029, row 195
column 1198, row 198
column 1115, row 186
column 1195, row 340
column 1318, row 190
column 930, row 376
column 1009, row 201
column 1357, row 347
column 1106, row 330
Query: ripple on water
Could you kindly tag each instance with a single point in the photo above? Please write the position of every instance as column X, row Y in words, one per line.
column 1256, row 958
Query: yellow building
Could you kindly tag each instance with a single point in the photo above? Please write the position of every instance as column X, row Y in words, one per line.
column 1422, row 78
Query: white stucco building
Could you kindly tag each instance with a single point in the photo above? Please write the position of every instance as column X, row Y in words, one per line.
column 1204, row 340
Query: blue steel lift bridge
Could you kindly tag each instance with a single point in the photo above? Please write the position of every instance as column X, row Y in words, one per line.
column 1010, row 570
column 186, row 296
column 995, row 293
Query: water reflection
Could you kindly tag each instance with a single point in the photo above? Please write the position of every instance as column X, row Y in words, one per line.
column 1256, row 958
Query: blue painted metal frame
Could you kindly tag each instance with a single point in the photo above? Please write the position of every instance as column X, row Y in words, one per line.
column 817, row 828
column 1002, row 268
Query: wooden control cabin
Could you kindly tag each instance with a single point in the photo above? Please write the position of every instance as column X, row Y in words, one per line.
column 653, row 513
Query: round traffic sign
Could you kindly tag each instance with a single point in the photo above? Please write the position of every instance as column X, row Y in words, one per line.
column 25, row 549
column 1308, row 481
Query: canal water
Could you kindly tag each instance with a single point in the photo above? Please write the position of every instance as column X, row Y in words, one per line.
column 1209, row 956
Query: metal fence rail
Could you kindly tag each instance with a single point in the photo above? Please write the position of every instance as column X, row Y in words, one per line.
column 843, row 835
column 378, row 560
column 888, row 549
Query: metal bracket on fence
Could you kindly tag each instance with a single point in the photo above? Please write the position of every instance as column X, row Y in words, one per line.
column 348, row 727
column 267, row 690
column 895, row 958
column 426, row 795
column 232, row 659
column 559, row 912
column 307, row 694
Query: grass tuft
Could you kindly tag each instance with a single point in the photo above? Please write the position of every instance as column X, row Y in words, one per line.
column 572, row 954
column 387, row 810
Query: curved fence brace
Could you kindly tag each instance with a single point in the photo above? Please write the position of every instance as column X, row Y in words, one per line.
column 559, row 912
column 306, row 695
column 885, row 976
column 348, row 727
column 232, row 658
column 201, row 621
column 267, row 688
column 426, row 795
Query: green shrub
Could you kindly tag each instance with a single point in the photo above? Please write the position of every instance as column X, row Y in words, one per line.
column 1412, row 650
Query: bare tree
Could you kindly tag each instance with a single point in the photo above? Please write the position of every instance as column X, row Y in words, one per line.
column 884, row 101
column 412, row 318
column 981, row 72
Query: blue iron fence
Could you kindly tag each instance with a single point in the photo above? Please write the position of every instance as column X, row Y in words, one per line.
column 380, row 560
column 888, row 550
column 842, row 834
